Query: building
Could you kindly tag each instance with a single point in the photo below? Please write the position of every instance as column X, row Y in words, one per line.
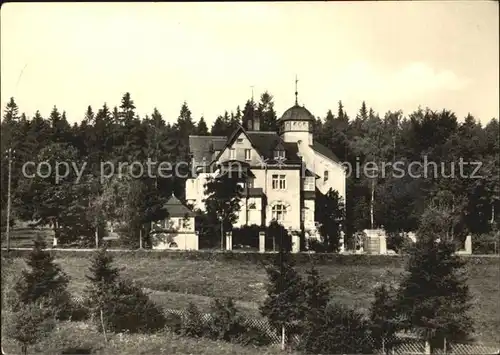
column 283, row 170
column 177, row 231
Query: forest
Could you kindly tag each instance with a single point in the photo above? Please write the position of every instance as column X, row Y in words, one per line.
column 468, row 203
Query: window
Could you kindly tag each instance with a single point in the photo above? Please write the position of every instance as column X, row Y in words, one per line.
column 309, row 184
column 279, row 154
column 278, row 213
column 325, row 176
column 185, row 223
column 248, row 154
column 250, row 183
column 232, row 153
column 279, row 182
column 239, row 140
column 303, row 214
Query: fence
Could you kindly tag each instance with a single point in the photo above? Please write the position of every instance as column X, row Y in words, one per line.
column 396, row 345
column 400, row 344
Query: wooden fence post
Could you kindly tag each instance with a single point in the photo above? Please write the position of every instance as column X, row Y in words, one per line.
column 283, row 337
column 103, row 327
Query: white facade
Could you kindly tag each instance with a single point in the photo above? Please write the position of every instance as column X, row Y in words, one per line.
column 282, row 192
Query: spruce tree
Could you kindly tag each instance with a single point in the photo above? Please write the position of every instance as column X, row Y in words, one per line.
column 434, row 297
column 317, row 293
column 45, row 281
column 116, row 304
column 202, row 129
column 284, row 304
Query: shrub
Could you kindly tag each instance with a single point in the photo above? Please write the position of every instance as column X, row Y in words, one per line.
column 30, row 324
column 315, row 245
column 193, row 324
column 253, row 335
column 123, row 306
column 247, row 235
column 173, row 322
column 225, row 322
column 127, row 308
column 339, row 330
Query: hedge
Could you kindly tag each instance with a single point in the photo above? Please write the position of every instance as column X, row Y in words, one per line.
column 303, row 258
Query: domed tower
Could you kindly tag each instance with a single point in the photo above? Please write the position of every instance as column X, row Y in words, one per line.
column 297, row 123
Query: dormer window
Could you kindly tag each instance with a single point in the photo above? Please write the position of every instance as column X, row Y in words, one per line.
column 279, row 154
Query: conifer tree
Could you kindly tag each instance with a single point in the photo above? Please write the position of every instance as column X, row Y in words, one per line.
column 284, row 304
column 202, row 129
column 434, row 297
column 316, row 295
column 45, row 281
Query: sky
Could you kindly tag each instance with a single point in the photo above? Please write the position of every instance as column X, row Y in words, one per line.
column 393, row 55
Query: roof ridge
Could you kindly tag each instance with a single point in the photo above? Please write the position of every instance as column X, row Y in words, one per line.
column 265, row 132
column 200, row 136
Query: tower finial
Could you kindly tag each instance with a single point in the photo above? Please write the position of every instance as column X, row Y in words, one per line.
column 252, row 92
column 296, row 91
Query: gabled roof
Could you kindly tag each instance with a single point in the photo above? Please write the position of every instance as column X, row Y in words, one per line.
column 321, row 149
column 202, row 148
column 176, row 208
column 266, row 142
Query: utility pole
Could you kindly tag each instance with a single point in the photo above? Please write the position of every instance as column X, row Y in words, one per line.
column 9, row 156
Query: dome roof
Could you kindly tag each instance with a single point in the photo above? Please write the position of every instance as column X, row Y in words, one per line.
column 297, row 113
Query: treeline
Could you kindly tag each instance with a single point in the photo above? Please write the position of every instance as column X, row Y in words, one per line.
column 118, row 134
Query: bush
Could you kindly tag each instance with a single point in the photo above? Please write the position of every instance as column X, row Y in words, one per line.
column 173, row 322
column 486, row 243
column 123, row 306
column 316, row 245
column 225, row 322
column 339, row 331
column 253, row 335
column 127, row 308
column 247, row 236
column 30, row 324
column 193, row 324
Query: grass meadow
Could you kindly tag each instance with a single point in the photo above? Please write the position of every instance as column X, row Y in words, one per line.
column 174, row 282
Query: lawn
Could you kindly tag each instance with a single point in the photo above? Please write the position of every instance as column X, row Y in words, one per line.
column 80, row 338
column 173, row 283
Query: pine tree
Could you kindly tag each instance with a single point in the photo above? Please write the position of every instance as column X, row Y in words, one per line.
column 101, row 268
column 202, row 129
column 266, row 113
column 11, row 112
column 284, row 304
column 434, row 297
column 317, row 294
column 116, row 304
column 44, row 282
